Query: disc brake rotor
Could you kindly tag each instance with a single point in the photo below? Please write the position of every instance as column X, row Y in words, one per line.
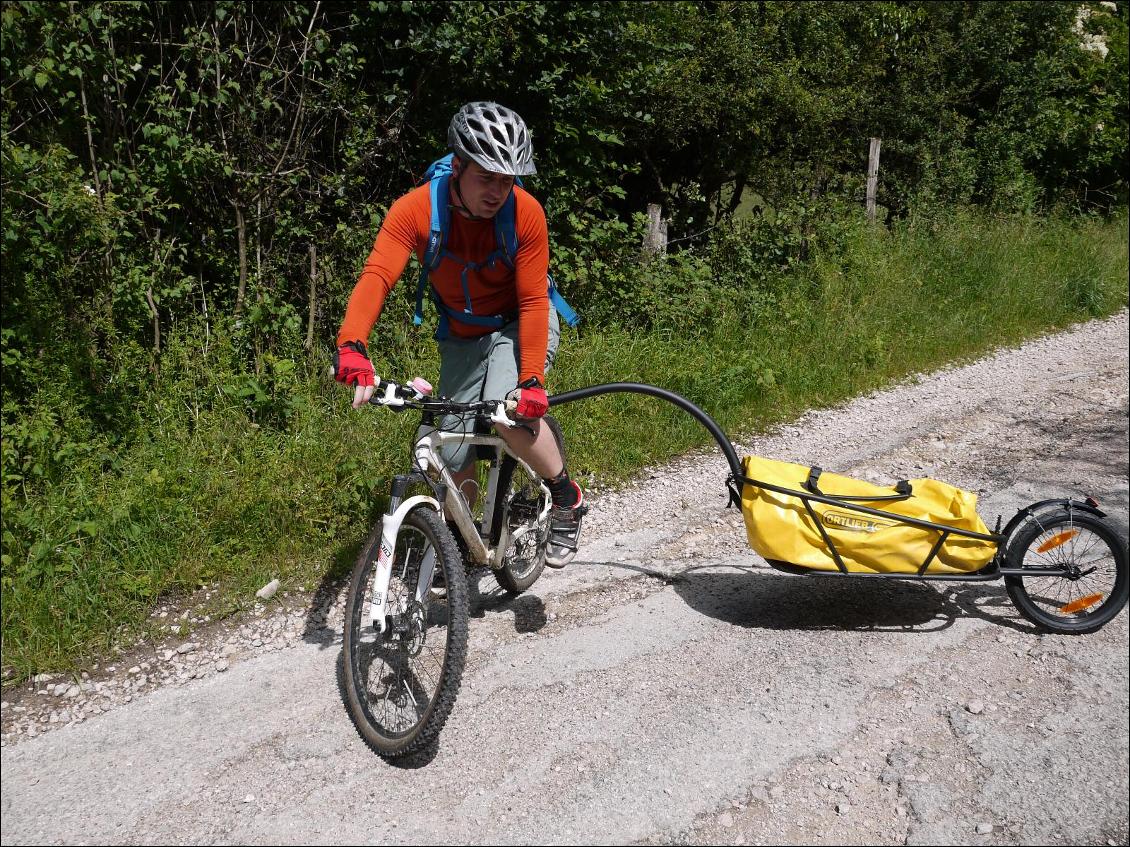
column 416, row 635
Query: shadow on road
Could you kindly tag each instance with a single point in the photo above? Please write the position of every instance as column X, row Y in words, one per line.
column 752, row 598
column 485, row 595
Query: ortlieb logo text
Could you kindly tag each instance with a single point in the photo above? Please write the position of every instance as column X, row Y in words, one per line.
column 855, row 522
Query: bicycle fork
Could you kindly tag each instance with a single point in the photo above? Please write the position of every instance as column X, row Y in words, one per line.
column 398, row 509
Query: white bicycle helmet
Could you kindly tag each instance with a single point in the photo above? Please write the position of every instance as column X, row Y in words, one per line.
column 493, row 136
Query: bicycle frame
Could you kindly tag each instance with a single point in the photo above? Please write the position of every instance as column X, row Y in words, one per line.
column 455, row 505
column 449, row 502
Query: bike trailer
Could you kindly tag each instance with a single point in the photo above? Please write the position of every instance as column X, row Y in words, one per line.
column 806, row 518
column 1064, row 564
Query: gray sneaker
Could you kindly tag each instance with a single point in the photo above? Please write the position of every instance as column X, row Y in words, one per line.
column 564, row 533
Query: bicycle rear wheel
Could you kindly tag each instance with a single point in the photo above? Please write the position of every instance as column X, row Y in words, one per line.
column 1091, row 586
column 401, row 684
column 522, row 506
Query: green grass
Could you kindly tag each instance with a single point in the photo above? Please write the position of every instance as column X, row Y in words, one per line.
column 209, row 499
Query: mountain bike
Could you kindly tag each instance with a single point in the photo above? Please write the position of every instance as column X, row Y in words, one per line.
column 406, row 616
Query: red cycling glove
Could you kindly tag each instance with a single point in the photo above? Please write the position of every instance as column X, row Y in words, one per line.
column 352, row 365
column 531, row 397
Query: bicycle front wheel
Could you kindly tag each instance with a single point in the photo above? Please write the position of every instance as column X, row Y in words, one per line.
column 1089, row 586
column 401, row 684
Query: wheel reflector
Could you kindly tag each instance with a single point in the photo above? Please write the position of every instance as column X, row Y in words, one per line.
column 1057, row 540
column 1081, row 604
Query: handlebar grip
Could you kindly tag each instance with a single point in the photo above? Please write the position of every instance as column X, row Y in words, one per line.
column 379, row 386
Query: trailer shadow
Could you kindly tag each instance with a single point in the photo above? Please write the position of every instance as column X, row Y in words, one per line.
column 762, row 599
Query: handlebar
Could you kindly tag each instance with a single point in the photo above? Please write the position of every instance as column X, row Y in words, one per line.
column 417, row 395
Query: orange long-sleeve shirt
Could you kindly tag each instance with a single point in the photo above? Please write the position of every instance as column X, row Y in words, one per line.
column 493, row 291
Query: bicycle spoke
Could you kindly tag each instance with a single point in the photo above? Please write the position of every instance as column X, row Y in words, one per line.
column 1087, row 560
column 401, row 683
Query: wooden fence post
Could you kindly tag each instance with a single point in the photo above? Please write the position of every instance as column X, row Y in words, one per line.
column 872, row 176
column 655, row 241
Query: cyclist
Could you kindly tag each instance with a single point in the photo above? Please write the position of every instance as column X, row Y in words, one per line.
column 490, row 146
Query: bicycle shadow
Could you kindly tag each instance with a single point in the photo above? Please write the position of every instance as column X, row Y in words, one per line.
column 484, row 595
column 758, row 598
column 322, row 626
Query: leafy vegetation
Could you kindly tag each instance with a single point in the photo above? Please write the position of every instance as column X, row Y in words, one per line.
column 189, row 190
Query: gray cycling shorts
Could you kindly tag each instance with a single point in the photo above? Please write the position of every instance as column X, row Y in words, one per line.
column 483, row 368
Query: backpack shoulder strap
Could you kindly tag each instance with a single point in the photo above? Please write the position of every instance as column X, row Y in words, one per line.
column 440, row 176
column 437, row 168
column 567, row 312
column 506, row 240
column 440, row 221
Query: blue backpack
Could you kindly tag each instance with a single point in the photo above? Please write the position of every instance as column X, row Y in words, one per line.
column 506, row 248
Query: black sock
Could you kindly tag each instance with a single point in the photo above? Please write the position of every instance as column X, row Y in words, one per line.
column 563, row 490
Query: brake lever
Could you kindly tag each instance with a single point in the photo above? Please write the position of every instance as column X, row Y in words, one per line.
column 498, row 416
column 389, row 398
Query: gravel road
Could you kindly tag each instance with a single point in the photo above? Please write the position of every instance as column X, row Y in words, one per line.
column 667, row 687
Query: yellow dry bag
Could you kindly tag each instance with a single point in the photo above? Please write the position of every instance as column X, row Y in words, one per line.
column 797, row 530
